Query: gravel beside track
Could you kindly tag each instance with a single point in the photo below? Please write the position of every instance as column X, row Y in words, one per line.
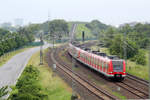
column 135, row 90
column 97, row 92
column 131, row 87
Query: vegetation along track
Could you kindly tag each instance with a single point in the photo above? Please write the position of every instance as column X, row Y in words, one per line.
column 134, row 85
column 99, row 93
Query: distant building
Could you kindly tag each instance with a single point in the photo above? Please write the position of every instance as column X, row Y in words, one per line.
column 18, row 22
column 6, row 24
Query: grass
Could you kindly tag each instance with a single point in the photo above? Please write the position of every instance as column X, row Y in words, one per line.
column 55, row 87
column 8, row 56
column 138, row 70
column 119, row 95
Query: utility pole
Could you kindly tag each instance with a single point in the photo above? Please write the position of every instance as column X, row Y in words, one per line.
column 53, row 40
column 41, row 49
column 125, row 46
column 149, row 68
column 72, row 34
column 48, row 27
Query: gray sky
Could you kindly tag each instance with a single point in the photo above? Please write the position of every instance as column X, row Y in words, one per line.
column 112, row 12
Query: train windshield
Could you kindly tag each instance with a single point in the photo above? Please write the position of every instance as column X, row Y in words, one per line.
column 117, row 66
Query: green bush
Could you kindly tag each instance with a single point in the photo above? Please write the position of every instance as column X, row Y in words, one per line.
column 27, row 86
column 140, row 58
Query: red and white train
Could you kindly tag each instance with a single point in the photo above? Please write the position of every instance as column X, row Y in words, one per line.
column 110, row 66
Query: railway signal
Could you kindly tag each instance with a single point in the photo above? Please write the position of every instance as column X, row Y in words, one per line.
column 82, row 36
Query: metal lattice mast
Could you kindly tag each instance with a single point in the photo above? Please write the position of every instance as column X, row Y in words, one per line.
column 72, row 34
column 125, row 50
column 41, row 49
column 149, row 69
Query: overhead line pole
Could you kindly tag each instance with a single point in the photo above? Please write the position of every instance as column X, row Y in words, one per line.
column 72, row 34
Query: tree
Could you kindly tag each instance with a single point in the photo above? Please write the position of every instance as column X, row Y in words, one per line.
column 140, row 58
column 108, row 36
column 117, row 47
column 96, row 26
column 59, row 28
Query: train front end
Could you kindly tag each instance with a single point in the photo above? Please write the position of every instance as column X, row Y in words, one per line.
column 118, row 69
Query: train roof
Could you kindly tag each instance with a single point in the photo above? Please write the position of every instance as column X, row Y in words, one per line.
column 97, row 53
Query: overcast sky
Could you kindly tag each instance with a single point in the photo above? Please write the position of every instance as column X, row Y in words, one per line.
column 112, row 12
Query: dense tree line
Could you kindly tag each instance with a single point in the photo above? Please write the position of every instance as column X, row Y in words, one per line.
column 132, row 38
column 10, row 41
column 96, row 27
column 58, row 28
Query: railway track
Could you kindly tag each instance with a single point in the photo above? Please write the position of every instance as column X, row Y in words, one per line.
column 137, row 79
column 138, row 91
column 99, row 93
column 131, row 88
column 134, row 90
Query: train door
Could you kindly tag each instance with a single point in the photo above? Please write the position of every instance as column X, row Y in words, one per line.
column 106, row 65
column 83, row 57
column 96, row 63
column 92, row 61
column 86, row 58
column 99, row 65
column 103, row 66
